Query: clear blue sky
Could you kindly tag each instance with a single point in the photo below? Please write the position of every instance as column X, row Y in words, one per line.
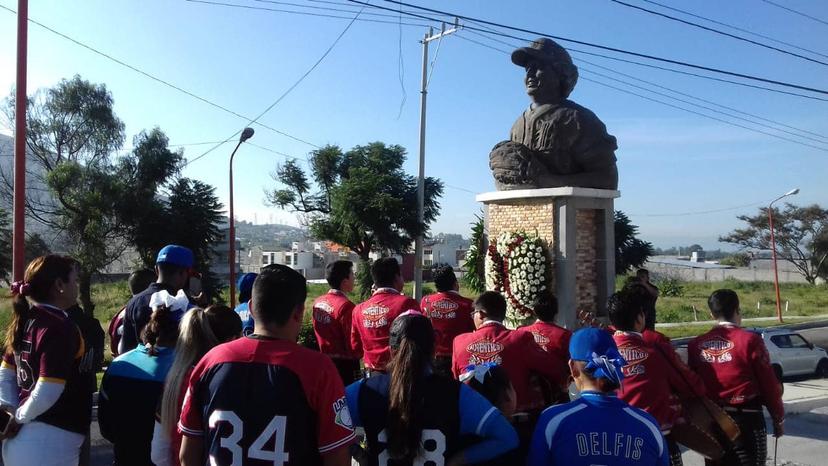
column 671, row 162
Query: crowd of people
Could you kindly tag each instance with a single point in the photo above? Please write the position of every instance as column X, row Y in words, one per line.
column 392, row 382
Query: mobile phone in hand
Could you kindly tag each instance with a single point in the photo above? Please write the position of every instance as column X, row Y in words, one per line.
column 5, row 420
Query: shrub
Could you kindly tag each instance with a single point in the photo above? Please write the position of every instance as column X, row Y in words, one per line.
column 670, row 286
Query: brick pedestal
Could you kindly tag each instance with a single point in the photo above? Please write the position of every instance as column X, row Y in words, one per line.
column 577, row 226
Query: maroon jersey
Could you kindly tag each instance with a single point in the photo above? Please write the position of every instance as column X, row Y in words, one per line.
column 736, row 370
column 371, row 325
column 51, row 352
column 655, row 380
column 516, row 352
column 332, row 324
column 450, row 316
column 264, row 399
column 555, row 341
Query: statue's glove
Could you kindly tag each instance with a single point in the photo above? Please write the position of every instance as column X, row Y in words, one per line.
column 512, row 163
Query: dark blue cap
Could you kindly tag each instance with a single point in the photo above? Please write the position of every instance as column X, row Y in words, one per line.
column 245, row 283
column 175, row 255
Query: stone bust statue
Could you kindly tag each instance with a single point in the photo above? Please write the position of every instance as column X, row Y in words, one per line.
column 556, row 142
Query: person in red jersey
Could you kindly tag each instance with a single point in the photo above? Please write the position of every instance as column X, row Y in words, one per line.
column 263, row 399
column 450, row 315
column 371, row 320
column 516, row 352
column 654, row 380
column 332, row 320
column 41, row 386
column 555, row 341
column 736, row 370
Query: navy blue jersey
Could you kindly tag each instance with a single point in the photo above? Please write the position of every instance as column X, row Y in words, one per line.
column 265, row 402
column 137, row 314
column 597, row 429
column 450, row 410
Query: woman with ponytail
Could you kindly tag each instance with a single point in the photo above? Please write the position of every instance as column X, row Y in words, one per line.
column 40, row 384
column 200, row 331
column 411, row 415
column 132, row 385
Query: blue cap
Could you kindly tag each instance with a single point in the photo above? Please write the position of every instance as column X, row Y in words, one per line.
column 175, row 255
column 245, row 283
column 598, row 349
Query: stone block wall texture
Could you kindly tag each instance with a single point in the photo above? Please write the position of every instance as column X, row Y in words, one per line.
column 531, row 216
column 586, row 258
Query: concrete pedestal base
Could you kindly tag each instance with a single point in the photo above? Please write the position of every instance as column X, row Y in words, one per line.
column 577, row 226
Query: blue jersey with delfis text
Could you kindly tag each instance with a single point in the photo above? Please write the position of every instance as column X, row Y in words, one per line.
column 597, row 430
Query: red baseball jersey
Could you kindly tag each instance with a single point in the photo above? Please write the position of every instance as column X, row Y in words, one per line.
column 51, row 352
column 268, row 400
column 652, row 337
column 736, row 370
column 450, row 316
column 371, row 325
column 332, row 324
column 555, row 341
column 655, row 380
column 516, row 352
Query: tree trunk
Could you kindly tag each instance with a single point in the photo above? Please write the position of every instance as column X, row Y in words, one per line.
column 85, row 285
column 363, row 277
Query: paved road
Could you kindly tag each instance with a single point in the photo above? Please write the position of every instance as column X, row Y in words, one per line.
column 805, row 442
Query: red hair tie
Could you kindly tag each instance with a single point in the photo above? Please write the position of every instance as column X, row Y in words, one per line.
column 21, row 288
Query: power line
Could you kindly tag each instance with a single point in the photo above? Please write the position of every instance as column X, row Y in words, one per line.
column 721, row 120
column 737, row 28
column 823, row 140
column 303, row 13
column 599, row 46
column 716, row 31
column 705, row 115
column 668, row 89
column 797, row 12
column 157, row 79
column 662, row 68
column 701, row 212
column 289, row 90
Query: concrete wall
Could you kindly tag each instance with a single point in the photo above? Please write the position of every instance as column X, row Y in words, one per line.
column 717, row 275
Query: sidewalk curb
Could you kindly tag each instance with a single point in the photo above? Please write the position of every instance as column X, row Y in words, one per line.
column 805, row 405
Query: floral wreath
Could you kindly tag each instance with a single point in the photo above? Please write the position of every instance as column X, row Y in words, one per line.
column 516, row 266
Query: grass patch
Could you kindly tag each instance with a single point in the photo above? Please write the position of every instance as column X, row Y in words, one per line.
column 802, row 300
column 691, row 330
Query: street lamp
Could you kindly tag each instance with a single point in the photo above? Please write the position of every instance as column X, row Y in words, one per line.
column 773, row 249
column 231, row 240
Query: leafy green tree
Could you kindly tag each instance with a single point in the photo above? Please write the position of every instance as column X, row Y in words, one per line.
column 361, row 199
column 739, row 259
column 87, row 193
column 190, row 216
column 801, row 235
column 630, row 252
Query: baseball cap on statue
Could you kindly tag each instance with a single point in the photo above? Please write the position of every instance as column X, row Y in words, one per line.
column 175, row 255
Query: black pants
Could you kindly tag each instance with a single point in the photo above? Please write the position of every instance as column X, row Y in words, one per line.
column 348, row 370
column 752, row 448
column 442, row 366
column 675, row 451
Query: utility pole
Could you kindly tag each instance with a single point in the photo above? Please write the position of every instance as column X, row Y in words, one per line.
column 418, row 242
column 18, row 226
